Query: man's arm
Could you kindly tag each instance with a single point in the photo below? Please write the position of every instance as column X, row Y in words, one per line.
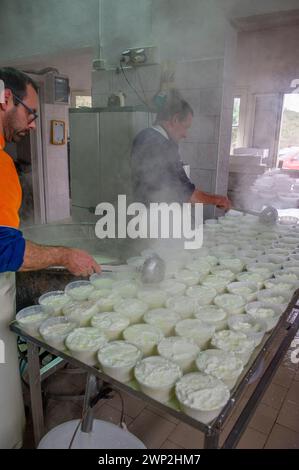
column 76, row 261
column 214, row 199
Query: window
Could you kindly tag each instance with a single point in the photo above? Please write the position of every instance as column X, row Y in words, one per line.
column 82, row 101
column 288, row 149
column 235, row 125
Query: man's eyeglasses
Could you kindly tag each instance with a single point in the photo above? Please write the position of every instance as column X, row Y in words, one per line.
column 31, row 111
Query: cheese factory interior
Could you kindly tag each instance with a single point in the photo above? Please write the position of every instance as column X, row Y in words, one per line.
column 111, row 337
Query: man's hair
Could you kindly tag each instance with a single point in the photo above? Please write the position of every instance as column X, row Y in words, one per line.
column 169, row 104
column 16, row 81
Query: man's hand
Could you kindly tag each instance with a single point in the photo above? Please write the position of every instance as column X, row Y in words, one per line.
column 222, row 202
column 80, row 263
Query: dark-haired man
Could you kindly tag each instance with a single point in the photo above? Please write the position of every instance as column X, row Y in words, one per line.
column 157, row 171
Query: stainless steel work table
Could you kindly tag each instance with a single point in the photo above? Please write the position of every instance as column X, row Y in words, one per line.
column 270, row 352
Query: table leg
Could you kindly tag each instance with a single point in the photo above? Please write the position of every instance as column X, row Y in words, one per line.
column 35, row 392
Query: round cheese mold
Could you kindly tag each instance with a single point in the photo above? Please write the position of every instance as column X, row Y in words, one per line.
column 216, row 282
column 182, row 351
column 172, row 287
column 107, row 303
column 221, row 271
column 30, row 318
column 253, row 328
column 144, row 336
column 201, row 396
column 183, row 305
column 212, row 315
column 248, row 290
column 54, row 301
column 234, row 341
column 252, row 277
column 55, row 330
column 195, row 329
column 80, row 312
column 102, row 280
column 111, row 324
column 118, row 359
column 126, row 289
column 190, row 278
column 98, row 294
column 274, row 297
column 223, row 365
column 133, row 309
column 288, row 286
column 154, row 297
column 204, row 295
column 79, row 290
column 157, row 376
column 263, row 311
column 163, row 318
column 233, row 264
column 83, row 343
column 233, row 304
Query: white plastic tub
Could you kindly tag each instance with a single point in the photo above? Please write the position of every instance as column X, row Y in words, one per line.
column 212, row 315
column 223, row 365
column 163, row 318
column 196, row 330
column 248, row 290
column 133, row 309
column 111, row 324
column 201, row 396
column 233, row 304
column 80, row 312
column 83, row 343
column 79, row 290
column 253, row 328
column 157, row 376
column 182, row 351
column 183, row 305
column 55, row 330
column 270, row 314
column 54, row 301
column 118, row 359
column 145, row 337
column 236, row 342
column 30, row 318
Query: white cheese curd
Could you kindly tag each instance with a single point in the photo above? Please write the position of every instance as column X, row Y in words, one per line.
column 133, row 309
column 233, row 264
column 106, row 304
column 154, row 297
column 118, row 359
column 99, row 294
column 182, row 351
column 162, row 318
column 111, row 324
column 80, row 312
column 157, row 377
column 54, row 301
column 285, row 276
column 276, row 284
column 231, row 303
column 200, row 267
column 79, row 290
column 205, row 262
column 195, row 329
column 251, row 277
column 269, row 314
column 201, row 396
column 55, row 330
column 212, row 315
column 290, row 270
column 273, row 296
column 84, row 343
column 263, row 272
column 204, row 295
column 144, row 336
column 214, row 281
column 102, row 280
column 30, row 318
column 221, row 271
column 248, row 290
column 236, row 342
column 172, row 287
column 190, row 278
column 126, row 289
column 223, row 365
column 183, row 305
column 253, row 328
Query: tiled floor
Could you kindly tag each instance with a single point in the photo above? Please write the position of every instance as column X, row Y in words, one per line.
column 275, row 423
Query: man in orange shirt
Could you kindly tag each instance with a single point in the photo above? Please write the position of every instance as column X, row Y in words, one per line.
column 17, row 119
column 18, row 106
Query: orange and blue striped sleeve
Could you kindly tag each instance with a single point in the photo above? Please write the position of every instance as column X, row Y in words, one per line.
column 12, row 243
